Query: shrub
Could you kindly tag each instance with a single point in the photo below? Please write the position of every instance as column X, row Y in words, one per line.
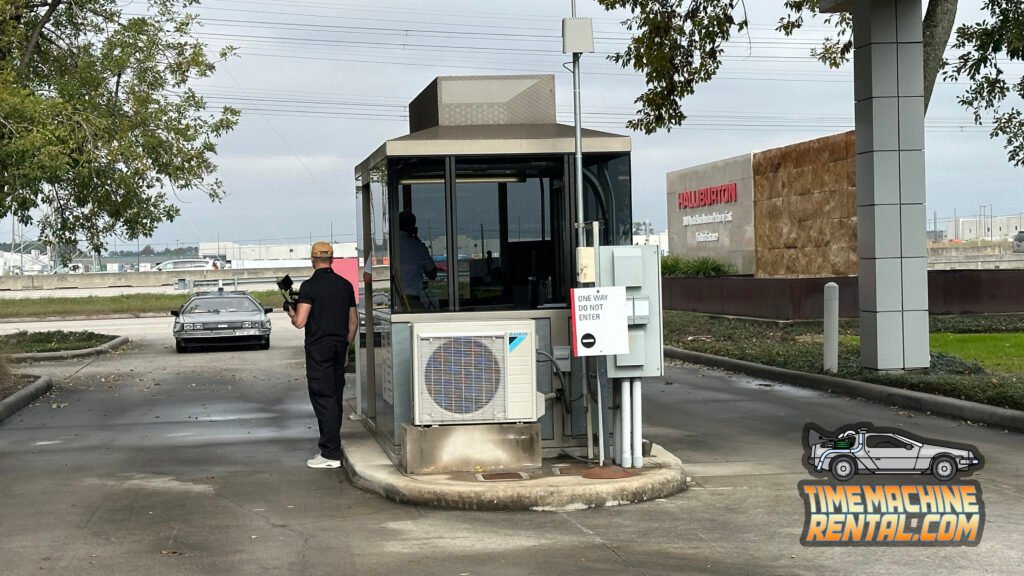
column 695, row 267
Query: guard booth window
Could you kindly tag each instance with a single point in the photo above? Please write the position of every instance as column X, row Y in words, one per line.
column 508, row 256
column 419, row 255
column 607, row 197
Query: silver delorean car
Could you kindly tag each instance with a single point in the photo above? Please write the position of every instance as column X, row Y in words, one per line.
column 867, row 452
column 221, row 318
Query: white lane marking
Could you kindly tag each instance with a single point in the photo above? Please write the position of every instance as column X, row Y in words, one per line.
column 47, row 442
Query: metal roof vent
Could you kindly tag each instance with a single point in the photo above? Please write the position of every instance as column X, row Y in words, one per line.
column 484, row 100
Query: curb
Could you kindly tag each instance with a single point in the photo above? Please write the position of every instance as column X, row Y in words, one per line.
column 24, row 397
column 84, row 317
column 964, row 409
column 41, row 356
column 372, row 471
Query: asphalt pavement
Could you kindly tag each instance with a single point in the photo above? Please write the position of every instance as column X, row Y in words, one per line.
column 146, row 461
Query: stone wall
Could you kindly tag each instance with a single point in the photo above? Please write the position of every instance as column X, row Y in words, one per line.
column 805, row 209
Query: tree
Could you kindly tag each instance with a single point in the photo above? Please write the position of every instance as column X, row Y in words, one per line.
column 678, row 45
column 98, row 123
column 147, row 250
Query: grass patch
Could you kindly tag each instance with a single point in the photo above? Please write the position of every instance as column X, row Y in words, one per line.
column 797, row 346
column 51, row 341
column 997, row 352
column 104, row 305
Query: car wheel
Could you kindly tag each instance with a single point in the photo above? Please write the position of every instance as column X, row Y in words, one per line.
column 943, row 468
column 180, row 346
column 265, row 344
column 843, row 468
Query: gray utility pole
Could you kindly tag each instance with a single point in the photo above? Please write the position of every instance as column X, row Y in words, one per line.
column 578, row 38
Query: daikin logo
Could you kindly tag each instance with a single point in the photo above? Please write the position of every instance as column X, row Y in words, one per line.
column 515, row 339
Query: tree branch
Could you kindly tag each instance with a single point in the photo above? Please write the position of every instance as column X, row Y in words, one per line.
column 937, row 26
column 33, row 39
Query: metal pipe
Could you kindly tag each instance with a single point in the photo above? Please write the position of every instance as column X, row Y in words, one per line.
column 597, row 376
column 638, row 425
column 577, row 121
column 625, row 402
column 831, row 352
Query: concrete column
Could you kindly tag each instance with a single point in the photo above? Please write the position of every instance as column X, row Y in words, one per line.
column 889, row 94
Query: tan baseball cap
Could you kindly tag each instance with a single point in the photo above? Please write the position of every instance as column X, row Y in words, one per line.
column 322, row 250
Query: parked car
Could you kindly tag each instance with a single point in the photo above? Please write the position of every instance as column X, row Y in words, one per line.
column 866, row 452
column 221, row 318
column 1018, row 242
column 187, row 264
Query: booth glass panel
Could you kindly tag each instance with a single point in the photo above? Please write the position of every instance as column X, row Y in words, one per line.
column 607, row 196
column 378, row 220
column 419, row 260
column 507, row 250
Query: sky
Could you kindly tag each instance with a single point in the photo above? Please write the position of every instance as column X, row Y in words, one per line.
column 321, row 84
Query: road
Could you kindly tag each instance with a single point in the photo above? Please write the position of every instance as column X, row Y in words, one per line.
column 150, row 462
column 116, row 291
column 155, row 328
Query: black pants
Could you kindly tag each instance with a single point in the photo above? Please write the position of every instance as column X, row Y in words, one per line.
column 325, row 373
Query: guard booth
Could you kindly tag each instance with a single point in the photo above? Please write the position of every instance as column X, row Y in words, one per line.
column 463, row 361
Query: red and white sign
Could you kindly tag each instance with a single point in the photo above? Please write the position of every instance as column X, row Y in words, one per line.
column 599, row 323
column 710, row 196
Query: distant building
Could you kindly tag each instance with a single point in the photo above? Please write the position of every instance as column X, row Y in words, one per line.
column 271, row 253
column 644, row 235
column 995, row 228
column 16, row 263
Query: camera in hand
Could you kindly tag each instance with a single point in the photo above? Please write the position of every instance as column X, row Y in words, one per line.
column 287, row 288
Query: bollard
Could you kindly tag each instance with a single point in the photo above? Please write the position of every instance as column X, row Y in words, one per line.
column 831, row 359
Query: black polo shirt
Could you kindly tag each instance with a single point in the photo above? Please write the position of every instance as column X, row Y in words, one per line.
column 330, row 297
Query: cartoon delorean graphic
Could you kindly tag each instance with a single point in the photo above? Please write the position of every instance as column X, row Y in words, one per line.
column 867, row 450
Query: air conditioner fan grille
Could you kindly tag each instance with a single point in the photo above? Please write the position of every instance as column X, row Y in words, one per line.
column 462, row 375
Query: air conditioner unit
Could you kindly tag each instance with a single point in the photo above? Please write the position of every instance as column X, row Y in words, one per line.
column 475, row 372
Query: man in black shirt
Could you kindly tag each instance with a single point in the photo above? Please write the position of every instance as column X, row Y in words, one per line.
column 327, row 310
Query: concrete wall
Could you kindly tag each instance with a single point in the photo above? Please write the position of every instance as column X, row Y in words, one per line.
column 137, row 279
column 730, row 241
column 805, row 209
column 949, row 292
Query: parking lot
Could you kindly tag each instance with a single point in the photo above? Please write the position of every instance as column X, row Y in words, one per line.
column 150, row 462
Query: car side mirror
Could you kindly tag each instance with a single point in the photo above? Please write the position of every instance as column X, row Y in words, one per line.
column 908, row 447
column 268, row 310
column 174, row 313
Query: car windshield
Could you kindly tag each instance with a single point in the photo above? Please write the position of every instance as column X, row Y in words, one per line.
column 224, row 304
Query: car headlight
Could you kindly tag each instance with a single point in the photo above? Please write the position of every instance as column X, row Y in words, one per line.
column 248, row 324
column 191, row 326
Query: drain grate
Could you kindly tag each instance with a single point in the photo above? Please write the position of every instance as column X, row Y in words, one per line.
column 502, row 476
column 570, row 470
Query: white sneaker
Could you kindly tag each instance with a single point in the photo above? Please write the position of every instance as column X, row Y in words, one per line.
column 319, row 461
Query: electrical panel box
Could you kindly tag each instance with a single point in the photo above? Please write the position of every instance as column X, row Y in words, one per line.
column 638, row 269
column 577, row 35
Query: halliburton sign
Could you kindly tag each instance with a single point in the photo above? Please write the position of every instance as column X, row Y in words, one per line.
column 710, row 196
